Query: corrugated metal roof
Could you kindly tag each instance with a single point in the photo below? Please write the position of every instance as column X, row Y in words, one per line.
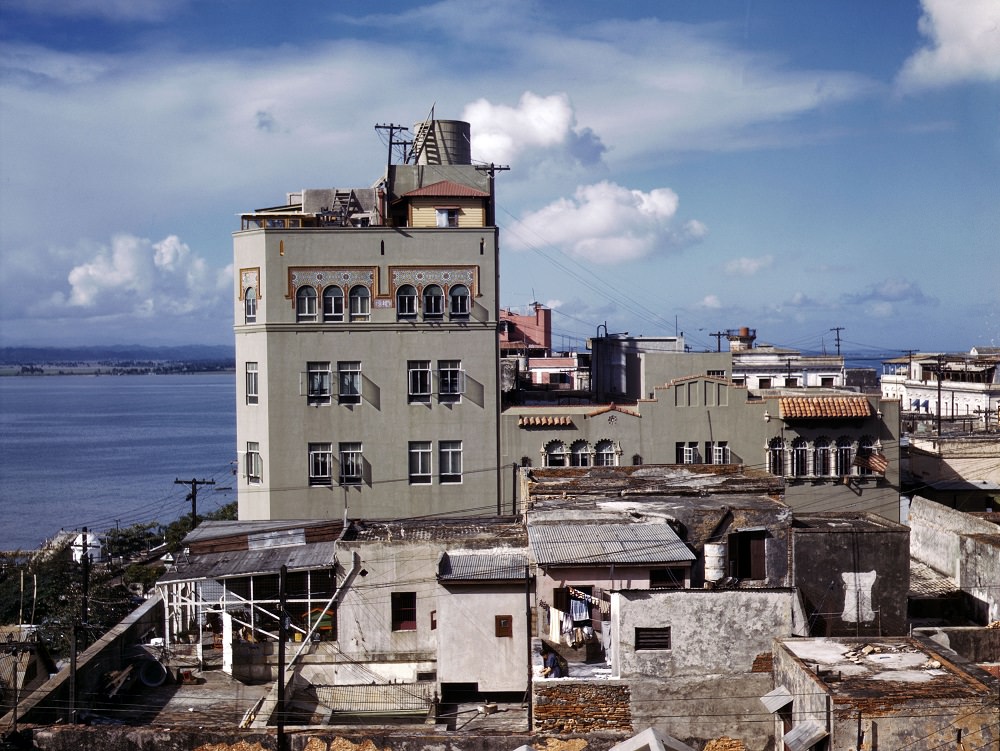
column 776, row 699
column 823, row 406
column 447, row 188
column 804, row 736
column 604, row 544
column 244, row 563
column 491, row 565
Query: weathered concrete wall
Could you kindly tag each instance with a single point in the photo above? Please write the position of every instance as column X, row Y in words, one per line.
column 50, row 702
column 934, row 534
column 711, row 631
column 854, row 579
column 973, row 643
column 567, row 706
column 979, row 574
column 811, row 700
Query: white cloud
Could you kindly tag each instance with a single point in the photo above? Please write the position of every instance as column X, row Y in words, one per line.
column 501, row 133
column 748, row 266
column 710, row 302
column 606, row 223
column 963, row 44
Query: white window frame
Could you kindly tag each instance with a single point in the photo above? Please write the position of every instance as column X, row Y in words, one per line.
column 800, row 457
column 351, row 464
column 360, row 298
column 579, row 454
column 605, row 454
column 447, row 217
column 419, row 467
column 252, row 383
column 449, row 462
column 320, row 464
column 720, row 453
column 556, row 449
column 407, row 306
column 349, row 382
column 418, row 381
column 433, row 303
column 335, row 296
column 451, row 380
column 305, row 304
column 250, row 305
column 253, row 465
column 823, row 453
column 319, row 383
column 459, row 304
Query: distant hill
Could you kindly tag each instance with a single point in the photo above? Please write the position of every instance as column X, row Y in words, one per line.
column 117, row 353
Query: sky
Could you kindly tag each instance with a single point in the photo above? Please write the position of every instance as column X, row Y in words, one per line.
column 807, row 169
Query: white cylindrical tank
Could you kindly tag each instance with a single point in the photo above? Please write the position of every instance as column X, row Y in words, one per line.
column 715, row 561
column 443, row 142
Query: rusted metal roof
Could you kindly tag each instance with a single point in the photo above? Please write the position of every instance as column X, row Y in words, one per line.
column 243, row 563
column 798, row 407
column 488, row 565
column 448, row 189
column 604, row 544
column 537, row 421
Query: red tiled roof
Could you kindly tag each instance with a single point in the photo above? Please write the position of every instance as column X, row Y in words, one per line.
column 448, row 189
column 823, row 406
column 613, row 408
column 543, row 421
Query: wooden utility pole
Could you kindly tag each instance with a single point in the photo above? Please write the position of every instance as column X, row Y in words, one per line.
column 193, row 496
column 837, row 330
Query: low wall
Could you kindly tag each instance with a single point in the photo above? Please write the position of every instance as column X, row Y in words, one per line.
column 567, row 706
column 50, row 702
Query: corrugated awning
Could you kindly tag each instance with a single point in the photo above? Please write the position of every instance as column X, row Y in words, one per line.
column 775, row 700
column 486, row 566
column 800, row 407
column 604, row 544
column 804, row 736
column 535, row 421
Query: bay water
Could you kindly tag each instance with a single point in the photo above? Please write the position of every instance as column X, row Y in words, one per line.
column 101, row 451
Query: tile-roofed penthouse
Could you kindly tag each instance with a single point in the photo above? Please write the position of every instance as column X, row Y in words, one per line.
column 800, row 407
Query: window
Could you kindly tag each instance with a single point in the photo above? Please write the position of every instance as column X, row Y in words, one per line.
column 845, row 456
column 720, row 453
column 791, row 383
column 866, row 447
column 687, row 453
column 800, row 457
column 447, row 217
column 418, row 380
column 652, row 638
column 305, row 305
column 821, row 457
column 350, row 382
column 252, row 396
column 459, row 301
column 406, row 302
column 739, row 381
column 333, row 304
column 420, row 462
column 716, row 373
column 350, row 464
column 579, row 454
column 318, row 379
column 360, row 303
column 320, row 464
column 826, row 382
column 503, row 625
column 776, row 456
column 605, row 455
column 451, row 380
column 250, row 305
column 433, row 302
column 763, row 383
column 254, row 465
column 747, row 558
column 671, row 577
column 450, row 461
column 555, row 454
column 404, row 611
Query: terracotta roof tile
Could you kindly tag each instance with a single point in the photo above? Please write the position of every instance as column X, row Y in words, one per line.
column 538, row 421
column 449, row 189
column 793, row 407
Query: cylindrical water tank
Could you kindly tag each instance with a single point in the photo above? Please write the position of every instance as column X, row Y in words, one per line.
column 443, row 142
column 715, row 561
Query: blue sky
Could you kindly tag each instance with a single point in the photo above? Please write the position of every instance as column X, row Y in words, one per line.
column 691, row 166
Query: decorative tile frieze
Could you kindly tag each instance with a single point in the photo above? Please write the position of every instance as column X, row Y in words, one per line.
column 323, row 276
column 421, row 276
column 250, row 278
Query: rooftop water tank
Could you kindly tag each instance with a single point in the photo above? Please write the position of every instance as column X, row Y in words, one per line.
column 442, row 142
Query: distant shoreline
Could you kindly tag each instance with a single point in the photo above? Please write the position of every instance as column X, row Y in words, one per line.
column 113, row 369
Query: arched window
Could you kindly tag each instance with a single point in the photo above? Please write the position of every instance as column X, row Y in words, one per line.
column 579, row 454
column 555, row 454
column 360, row 299
column 605, row 454
column 406, row 302
column 250, row 305
column 845, row 456
column 776, row 457
column 800, row 457
column 821, row 457
column 433, row 302
column 333, row 304
column 305, row 304
column 459, row 301
column 866, row 447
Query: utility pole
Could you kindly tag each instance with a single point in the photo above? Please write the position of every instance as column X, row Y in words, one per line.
column 838, row 329
column 282, row 637
column 193, row 496
column 940, row 367
column 85, row 562
column 718, row 339
column 491, row 170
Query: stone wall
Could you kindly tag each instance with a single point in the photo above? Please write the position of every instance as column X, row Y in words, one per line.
column 934, row 534
column 567, row 706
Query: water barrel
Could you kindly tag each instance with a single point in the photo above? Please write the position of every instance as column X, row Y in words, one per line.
column 715, row 561
column 447, row 142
